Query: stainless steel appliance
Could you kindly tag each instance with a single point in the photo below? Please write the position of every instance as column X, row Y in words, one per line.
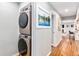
column 25, row 20
column 24, row 43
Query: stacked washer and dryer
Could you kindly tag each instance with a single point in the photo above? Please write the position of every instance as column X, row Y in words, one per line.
column 25, row 26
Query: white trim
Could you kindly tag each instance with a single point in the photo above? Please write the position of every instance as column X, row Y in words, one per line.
column 55, row 45
column 17, row 54
column 49, row 53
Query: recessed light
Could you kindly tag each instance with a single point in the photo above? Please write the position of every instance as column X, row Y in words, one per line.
column 66, row 10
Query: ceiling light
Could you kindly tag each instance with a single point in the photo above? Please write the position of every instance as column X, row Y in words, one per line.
column 66, row 10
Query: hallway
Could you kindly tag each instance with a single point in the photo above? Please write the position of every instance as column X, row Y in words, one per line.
column 67, row 47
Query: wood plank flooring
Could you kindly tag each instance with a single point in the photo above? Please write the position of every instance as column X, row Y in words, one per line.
column 67, row 47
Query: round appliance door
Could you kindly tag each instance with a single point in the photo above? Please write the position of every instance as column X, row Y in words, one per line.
column 23, row 20
column 22, row 47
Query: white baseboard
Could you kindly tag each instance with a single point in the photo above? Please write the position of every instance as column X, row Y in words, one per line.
column 49, row 53
column 17, row 54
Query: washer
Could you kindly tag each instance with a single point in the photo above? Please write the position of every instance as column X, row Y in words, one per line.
column 24, row 45
column 25, row 20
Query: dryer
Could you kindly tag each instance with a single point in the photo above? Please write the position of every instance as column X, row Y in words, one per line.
column 24, row 45
column 25, row 20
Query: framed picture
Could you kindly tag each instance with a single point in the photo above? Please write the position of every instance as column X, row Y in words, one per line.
column 72, row 25
column 67, row 26
column 62, row 26
column 58, row 24
column 43, row 18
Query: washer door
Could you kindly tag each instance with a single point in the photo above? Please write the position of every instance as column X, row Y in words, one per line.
column 23, row 20
column 22, row 47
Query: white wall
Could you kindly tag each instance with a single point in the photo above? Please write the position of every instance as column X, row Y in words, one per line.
column 8, row 28
column 22, row 4
column 56, row 34
column 41, row 36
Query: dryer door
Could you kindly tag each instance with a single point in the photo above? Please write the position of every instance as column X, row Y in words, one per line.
column 22, row 47
column 23, row 20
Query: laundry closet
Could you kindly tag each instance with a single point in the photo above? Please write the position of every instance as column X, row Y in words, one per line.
column 37, row 38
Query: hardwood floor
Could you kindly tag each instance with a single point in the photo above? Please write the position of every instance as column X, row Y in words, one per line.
column 67, row 47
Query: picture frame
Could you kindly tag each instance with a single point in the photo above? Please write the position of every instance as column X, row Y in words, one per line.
column 43, row 18
column 59, row 25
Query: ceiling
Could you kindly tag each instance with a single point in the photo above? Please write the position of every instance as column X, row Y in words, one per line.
column 65, row 8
